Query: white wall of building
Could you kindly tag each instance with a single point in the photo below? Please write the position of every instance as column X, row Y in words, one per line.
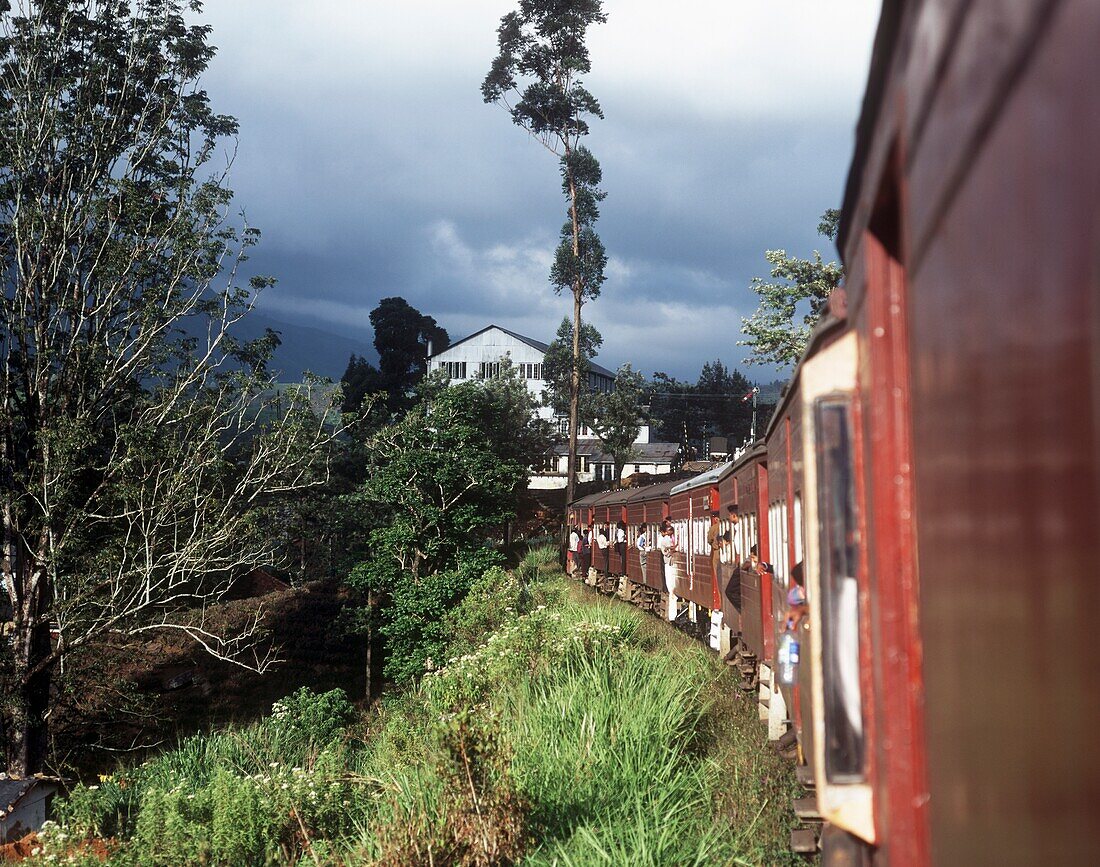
column 475, row 354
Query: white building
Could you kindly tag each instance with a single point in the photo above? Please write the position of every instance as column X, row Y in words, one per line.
column 478, row 357
column 592, row 464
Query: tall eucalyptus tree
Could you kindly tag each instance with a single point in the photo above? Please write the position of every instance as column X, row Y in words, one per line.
column 536, row 77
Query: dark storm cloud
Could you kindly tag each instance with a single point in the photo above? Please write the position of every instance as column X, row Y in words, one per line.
column 373, row 168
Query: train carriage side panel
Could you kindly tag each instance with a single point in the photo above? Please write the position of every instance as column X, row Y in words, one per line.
column 995, row 276
column 635, row 516
column 679, row 510
column 742, row 489
column 774, row 592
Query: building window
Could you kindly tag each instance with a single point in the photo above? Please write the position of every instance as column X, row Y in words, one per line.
column 489, row 369
column 637, row 468
column 582, row 463
column 453, row 369
column 530, row 370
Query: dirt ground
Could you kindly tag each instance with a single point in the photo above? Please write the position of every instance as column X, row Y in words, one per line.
column 134, row 698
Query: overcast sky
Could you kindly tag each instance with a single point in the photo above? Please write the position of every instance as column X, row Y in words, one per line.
column 373, row 167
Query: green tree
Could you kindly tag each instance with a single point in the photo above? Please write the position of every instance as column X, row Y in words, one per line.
column 721, row 392
column 689, row 412
column 798, row 287
column 537, row 78
column 618, row 416
column 401, row 336
column 137, row 437
column 557, row 369
column 360, row 379
column 446, row 478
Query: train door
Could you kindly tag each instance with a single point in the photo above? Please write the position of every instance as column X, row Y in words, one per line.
column 765, row 536
column 836, row 585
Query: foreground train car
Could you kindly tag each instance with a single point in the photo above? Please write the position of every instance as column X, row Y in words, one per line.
column 971, row 238
column 933, row 470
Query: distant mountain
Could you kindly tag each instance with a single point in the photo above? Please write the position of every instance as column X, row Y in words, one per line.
column 305, row 348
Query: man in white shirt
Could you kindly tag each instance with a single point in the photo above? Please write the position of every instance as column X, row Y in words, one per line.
column 666, row 544
column 620, row 546
column 642, row 544
column 602, row 546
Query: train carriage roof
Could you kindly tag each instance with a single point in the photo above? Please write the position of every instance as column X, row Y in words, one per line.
column 626, row 495
column 618, row 497
column 710, row 477
column 587, row 500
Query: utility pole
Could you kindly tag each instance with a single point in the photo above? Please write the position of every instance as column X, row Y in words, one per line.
column 752, row 429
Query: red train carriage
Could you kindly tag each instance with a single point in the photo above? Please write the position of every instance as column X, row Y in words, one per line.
column 608, row 510
column 954, row 430
column 655, row 502
column 745, row 487
column 690, row 505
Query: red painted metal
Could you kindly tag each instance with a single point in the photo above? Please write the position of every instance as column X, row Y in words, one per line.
column 764, row 551
column 894, row 544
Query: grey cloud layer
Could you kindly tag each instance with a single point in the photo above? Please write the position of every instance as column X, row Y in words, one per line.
column 373, row 168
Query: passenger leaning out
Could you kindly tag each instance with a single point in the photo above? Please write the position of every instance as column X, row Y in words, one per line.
column 573, row 554
column 642, row 544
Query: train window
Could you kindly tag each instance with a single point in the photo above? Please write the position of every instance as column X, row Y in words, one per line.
column 774, row 533
column 780, row 553
column 798, row 528
column 839, row 539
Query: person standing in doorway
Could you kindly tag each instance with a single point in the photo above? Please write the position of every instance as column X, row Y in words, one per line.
column 620, row 545
column 642, row 544
column 573, row 552
column 603, row 549
column 714, row 540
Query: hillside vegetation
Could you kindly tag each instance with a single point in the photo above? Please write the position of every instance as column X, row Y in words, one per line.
column 562, row 729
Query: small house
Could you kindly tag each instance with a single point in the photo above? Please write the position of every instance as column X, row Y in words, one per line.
column 24, row 805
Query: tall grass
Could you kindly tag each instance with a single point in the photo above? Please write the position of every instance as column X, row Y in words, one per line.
column 561, row 731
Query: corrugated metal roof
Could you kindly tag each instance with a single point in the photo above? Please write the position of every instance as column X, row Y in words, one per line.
column 530, row 341
column 710, row 477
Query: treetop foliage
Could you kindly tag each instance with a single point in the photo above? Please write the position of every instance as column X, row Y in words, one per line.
column 542, row 53
column 710, row 406
column 797, row 286
column 401, row 337
column 618, row 415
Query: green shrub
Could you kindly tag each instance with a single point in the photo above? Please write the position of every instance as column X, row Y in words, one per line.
column 318, row 718
column 552, row 733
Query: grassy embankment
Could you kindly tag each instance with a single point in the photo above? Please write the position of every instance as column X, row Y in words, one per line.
column 564, row 730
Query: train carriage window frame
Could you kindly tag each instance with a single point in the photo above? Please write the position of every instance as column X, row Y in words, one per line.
column 829, row 382
column 839, row 625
